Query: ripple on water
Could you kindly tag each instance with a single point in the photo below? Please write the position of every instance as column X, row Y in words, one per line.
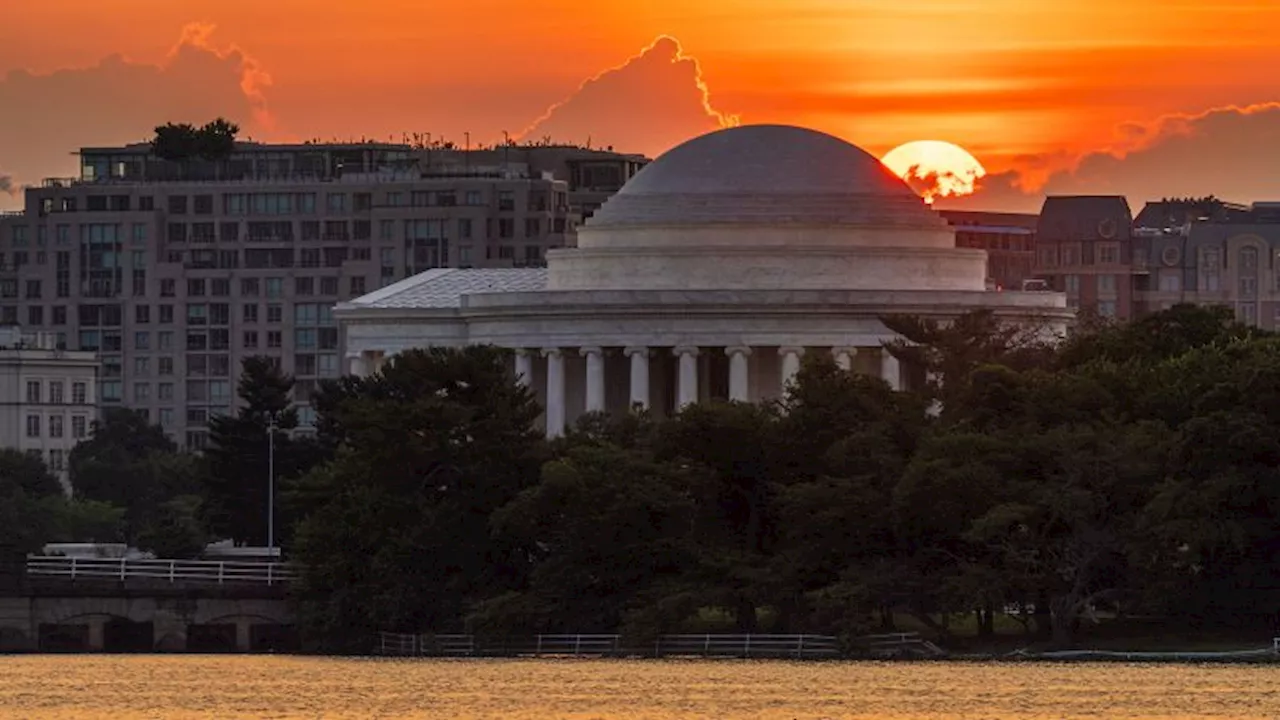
column 97, row 687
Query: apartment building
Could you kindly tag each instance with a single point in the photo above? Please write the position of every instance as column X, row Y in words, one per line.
column 1213, row 253
column 1008, row 238
column 173, row 273
column 1085, row 248
column 47, row 397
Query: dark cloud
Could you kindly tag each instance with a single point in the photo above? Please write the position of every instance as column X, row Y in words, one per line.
column 1230, row 152
column 652, row 102
column 46, row 117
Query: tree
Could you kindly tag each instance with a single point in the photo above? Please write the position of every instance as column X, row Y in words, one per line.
column 27, row 473
column 131, row 464
column 216, row 141
column 176, row 142
column 178, row 530
column 399, row 538
column 240, row 454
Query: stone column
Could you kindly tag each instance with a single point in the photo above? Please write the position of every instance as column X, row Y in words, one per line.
column 844, row 357
column 739, row 373
column 356, row 365
column 595, row 378
column 890, row 369
column 790, row 365
column 524, row 367
column 688, row 383
column 555, row 416
column 639, row 375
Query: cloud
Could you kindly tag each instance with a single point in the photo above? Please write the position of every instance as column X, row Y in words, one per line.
column 7, row 185
column 654, row 101
column 45, row 117
column 1231, row 152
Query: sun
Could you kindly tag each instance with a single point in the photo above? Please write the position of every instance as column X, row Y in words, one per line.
column 935, row 168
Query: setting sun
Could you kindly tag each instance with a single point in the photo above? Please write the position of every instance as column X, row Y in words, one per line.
column 934, row 168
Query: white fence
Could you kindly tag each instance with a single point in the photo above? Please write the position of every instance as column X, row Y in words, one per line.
column 207, row 572
column 711, row 645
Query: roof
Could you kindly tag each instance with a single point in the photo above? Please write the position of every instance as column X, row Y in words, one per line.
column 970, row 219
column 1075, row 218
column 765, row 176
column 444, row 288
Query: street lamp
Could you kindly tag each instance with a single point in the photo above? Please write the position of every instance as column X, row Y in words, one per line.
column 271, row 487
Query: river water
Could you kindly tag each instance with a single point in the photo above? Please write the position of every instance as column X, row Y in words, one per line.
column 97, row 687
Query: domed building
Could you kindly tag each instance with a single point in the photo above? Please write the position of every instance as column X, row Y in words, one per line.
column 709, row 275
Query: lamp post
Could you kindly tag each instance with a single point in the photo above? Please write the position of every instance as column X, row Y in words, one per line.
column 271, row 488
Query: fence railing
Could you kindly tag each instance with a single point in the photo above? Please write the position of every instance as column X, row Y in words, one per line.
column 203, row 572
column 710, row 645
column 899, row 644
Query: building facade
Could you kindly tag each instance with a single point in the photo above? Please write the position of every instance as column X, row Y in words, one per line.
column 1008, row 238
column 710, row 275
column 173, row 273
column 1085, row 248
column 48, row 397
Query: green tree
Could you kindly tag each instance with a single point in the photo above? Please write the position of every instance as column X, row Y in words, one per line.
column 177, row 531
column 216, row 141
column 176, row 142
column 27, row 473
column 400, row 538
column 240, row 455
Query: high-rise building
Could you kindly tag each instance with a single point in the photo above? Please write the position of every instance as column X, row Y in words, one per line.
column 48, row 397
column 174, row 272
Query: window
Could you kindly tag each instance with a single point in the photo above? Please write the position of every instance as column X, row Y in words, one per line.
column 166, row 314
column 1107, row 308
column 249, row 313
column 166, row 417
column 304, row 314
column 142, row 392
column 336, row 202
column 33, row 391
column 386, row 229
column 142, row 314
column 55, row 392
column 79, row 424
column 475, row 197
column 506, row 227
column 304, row 364
column 1106, row 283
column 305, row 338
column 78, row 393
column 33, row 290
column 195, row 287
column 1170, row 281
column 275, row 314
column 275, row 287
column 249, row 340
column 165, row 366
column 328, row 366
column 177, row 204
column 55, row 426
column 464, row 228
column 59, row 315
column 142, row 366
column 274, row 339
column 1248, row 314
column 57, row 459
column 1108, row 254
column 533, row 227
column 33, row 426
column 165, row 391
column 250, row 287
column 1069, row 256
column 357, row 286
column 1212, row 281
column 168, row 288
column 1248, row 258
column 220, row 287
column 164, row 340
column 203, row 204
column 506, row 200
column 1248, row 286
column 1211, row 258
column 328, row 286
column 304, row 286
column 35, row 315
column 112, row 391
column 142, row 340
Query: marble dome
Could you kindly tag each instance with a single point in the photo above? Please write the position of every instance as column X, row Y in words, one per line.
column 766, row 207
column 765, row 175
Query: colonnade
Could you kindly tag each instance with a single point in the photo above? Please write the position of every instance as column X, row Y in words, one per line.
column 686, row 376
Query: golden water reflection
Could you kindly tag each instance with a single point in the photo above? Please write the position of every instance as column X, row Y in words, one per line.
column 294, row 688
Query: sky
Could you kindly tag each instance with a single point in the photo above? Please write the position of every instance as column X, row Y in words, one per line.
column 1146, row 98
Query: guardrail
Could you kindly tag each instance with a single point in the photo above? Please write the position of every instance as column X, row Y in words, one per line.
column 206, row 572
column 709, row 645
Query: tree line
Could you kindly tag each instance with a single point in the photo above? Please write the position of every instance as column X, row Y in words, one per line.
column 1131, row 471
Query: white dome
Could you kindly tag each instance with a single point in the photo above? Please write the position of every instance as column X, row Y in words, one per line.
column 766, row 175
column 766, row 207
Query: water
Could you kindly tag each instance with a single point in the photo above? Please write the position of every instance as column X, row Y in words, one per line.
column 288, row 688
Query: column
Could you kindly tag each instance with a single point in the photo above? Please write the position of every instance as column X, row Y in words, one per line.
column 890, row 370
column 844, row 357
column 687, row 392
column 790, row 366
column 739, row 373
column 555, row 416
column 356, row 365
column 244, row 636
column 524, row 367
column 639, row 375
column 595, row 378
column 97, row 634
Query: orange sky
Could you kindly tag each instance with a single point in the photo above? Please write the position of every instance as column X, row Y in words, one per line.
column 1029, row 86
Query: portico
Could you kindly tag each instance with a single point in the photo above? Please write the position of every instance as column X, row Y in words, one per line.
column 711, row 275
